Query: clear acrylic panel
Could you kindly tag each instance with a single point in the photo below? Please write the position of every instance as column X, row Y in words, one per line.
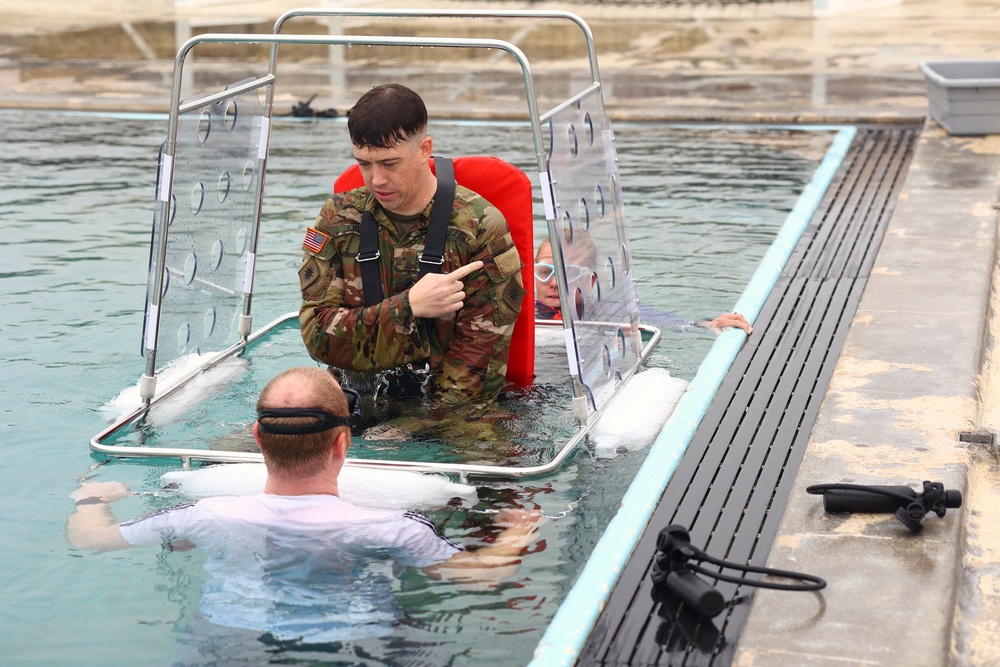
column 215, row 192
column 591, row 238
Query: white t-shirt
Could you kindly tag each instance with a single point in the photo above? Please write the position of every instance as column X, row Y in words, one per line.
column 314, row 568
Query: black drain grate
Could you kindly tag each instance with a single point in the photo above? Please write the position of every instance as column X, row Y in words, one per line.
column 732, row 484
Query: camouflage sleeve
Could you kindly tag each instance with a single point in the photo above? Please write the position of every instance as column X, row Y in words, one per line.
column 476, row 362
column 337, row 328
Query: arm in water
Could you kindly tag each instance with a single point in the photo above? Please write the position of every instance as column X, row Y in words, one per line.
column 501, row 558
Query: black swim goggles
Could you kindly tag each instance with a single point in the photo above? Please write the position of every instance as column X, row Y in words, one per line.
column 324, row 420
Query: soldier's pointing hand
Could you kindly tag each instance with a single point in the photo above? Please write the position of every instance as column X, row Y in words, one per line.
column 438, row 294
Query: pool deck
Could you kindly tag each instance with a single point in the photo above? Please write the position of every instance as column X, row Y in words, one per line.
column 919, row 367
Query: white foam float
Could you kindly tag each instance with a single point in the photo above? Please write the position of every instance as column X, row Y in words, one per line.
column 391, row 489
column 637, row 414
column 202, row 386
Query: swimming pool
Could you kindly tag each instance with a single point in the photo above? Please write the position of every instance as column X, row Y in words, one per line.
column 76, row 201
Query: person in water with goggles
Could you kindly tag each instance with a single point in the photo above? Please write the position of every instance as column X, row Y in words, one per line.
column 288, row 560
column 547, row 305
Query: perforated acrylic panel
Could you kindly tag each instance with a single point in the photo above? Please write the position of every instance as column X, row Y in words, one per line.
column 215, row 174
column 600, row 300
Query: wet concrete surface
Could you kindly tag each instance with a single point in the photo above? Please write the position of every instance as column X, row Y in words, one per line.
column 910, row 381
column 920, row 365
column 749, row 61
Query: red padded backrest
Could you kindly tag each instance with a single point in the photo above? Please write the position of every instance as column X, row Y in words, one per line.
column 509, row 189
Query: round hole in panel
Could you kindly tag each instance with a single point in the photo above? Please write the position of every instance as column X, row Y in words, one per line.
column 230, row 115
column 614, row 190
column 567, row 227
column 584, row 213
column 197, row 198
column 204, row 126
column 173, row 209
column 241, row 242
column 225, row 181
column 618, row 377
column 588, row 128
column 606, row 359
column 249, row 173
column 216, row 257
column 578, row 300
column 190, row 268
column 622, row 344
column 183, row 338
column 612, row 278
column 599, row 201
column 166, row 285
column 209, row 322
column 595, row 287
column 571, row 140
column 625, row 264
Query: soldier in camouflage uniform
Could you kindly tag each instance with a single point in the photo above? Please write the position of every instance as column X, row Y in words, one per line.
column 457, row 322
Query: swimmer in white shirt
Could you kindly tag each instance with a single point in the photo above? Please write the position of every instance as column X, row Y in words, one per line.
column 271, row 553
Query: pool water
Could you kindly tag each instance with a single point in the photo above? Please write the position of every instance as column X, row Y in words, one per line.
column 76, row 194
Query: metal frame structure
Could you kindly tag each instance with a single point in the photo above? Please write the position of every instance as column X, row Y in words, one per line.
column 585, row 416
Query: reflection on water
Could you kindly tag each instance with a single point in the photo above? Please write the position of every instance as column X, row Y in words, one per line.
column 76, row 196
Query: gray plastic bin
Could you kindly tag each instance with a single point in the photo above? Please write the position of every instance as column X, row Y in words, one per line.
column 964, row 95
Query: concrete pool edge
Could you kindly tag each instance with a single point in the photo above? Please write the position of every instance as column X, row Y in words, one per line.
column 576, row 616
column 925, row 333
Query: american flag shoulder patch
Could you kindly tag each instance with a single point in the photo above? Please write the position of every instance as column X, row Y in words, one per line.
column 315, row 240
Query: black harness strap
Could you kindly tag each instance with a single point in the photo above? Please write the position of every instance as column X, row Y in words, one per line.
column 432, row 257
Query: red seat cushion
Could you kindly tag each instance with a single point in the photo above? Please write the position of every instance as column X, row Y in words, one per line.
column 508, row 189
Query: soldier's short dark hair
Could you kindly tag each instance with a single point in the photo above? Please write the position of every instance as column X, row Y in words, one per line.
column 386, row 115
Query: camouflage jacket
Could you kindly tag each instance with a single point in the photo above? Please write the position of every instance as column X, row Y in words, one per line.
column 467, row 351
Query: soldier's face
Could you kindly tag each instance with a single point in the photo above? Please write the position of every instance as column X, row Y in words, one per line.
column 398, row 176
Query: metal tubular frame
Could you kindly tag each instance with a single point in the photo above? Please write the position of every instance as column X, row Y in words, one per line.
column 148, row 380
column 437, row 14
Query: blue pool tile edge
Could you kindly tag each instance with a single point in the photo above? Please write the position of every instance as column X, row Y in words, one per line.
column 576, row 616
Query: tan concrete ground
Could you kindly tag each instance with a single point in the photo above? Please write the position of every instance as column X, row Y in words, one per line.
column 920, row 365
column 768, row 61
column 918, row 370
